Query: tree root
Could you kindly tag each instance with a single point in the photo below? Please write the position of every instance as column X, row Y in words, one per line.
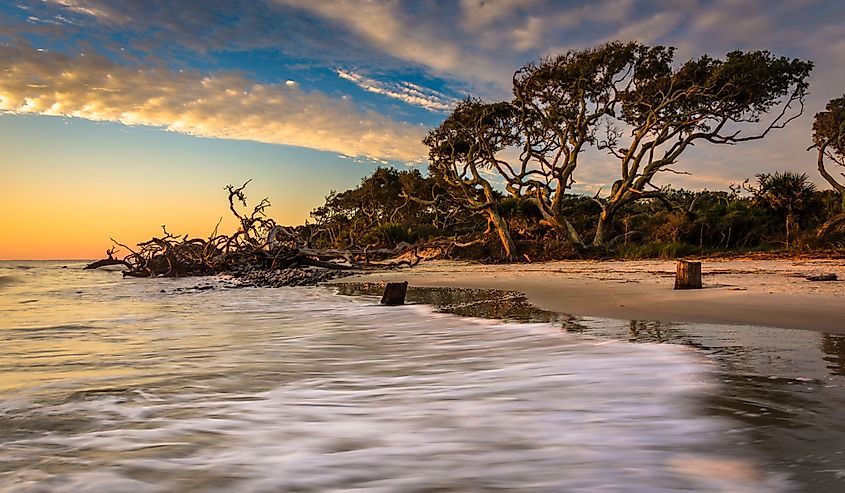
column 110, row 260
column 259, row 243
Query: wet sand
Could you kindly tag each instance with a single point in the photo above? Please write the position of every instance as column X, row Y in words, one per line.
column 767, row 293
column 781, row 387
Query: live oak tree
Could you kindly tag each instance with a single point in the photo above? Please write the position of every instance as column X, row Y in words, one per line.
column 829, row 142
column 627, row 99
column 665, row 109
column 386, row 208
column 348, row 216
column 561, row 101
column 464, row 148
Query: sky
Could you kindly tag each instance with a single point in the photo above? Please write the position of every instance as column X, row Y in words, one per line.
column 119, row 116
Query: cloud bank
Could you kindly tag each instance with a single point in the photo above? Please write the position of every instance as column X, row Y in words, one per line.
column 466, row 45
column 222, row 105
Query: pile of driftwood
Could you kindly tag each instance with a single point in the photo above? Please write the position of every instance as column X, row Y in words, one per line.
column 259, row 244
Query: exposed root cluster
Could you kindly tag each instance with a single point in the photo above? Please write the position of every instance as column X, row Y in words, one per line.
column 259, row 244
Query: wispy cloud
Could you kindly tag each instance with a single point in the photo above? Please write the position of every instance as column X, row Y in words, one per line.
column 428, row 37
column 90, row 8
column 404, row 91
column 470, row 45
column 221, row 105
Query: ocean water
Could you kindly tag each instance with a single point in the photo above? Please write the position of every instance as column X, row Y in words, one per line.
column 130, row 385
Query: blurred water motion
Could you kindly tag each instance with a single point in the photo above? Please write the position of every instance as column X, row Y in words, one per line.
column 111, row 385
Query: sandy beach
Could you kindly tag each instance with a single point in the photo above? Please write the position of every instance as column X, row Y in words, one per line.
column 767, row 293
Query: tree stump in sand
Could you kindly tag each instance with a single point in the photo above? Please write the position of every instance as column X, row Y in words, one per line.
column 394, row 293
column 688, row 275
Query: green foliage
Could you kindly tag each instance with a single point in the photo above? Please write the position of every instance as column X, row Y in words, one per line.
column 829, row 140
column 389, row 234
column 388, row 207
column 517, row 208
column 683, row 223
column 507, row 167
column 467, row 141
column 705, row 91
column 657, row 250
column 829, row 128
column 787, row 193
column 791, row 195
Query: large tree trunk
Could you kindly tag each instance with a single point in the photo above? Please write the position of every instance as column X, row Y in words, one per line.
column 564, row 228
column 788, row 227
column 573, row 234
column 688, row 275
column 839, row 187
column 605, row 220
column 555, row 218
column 831, row 224
column 502, row 231
column 106, row 262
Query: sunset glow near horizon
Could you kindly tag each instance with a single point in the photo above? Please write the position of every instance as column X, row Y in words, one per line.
column 118, row 116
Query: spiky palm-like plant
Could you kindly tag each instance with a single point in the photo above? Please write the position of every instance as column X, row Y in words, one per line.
column 786, row 193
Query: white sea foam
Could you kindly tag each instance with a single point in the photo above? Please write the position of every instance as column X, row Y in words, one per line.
column 260, row 390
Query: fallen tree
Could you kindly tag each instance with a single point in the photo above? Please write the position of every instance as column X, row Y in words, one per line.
column 259, row 243
column 109, row 260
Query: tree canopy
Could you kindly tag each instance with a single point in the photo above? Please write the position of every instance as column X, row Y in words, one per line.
column 465, row 145
column 789, row 194
column 632, row 101
column 829, row 140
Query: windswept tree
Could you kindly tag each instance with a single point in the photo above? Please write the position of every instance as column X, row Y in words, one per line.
column 630, row 100
column 464, row 148
column 379, row 211
column 665, row 109
column 347, row 217
column 561, row 101
column 829, row 142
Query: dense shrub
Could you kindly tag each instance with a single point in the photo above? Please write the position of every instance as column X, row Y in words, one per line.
column 380, row 212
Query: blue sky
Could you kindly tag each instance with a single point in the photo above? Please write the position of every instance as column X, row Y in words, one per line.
column 179, row 98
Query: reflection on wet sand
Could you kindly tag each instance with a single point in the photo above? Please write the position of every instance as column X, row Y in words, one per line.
column 784, row 386
column 298, row 389
column 833, row 346
column 482, row 303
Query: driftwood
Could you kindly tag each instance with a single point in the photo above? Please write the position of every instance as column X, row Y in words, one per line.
column 259, row 242
column 822, row 277
column 109, row 260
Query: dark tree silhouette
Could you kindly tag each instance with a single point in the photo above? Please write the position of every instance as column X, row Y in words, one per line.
column 648, row 111
column 787, row 193
column 259, row 242
column 464, row 147
column 666, row 110
column 829, row 142
column 561, row 102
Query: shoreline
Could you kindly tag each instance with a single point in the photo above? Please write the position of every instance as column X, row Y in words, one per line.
column 763, row 293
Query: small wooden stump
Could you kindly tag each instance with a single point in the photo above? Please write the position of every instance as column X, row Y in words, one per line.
column 394, row 293
column 688, row 275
